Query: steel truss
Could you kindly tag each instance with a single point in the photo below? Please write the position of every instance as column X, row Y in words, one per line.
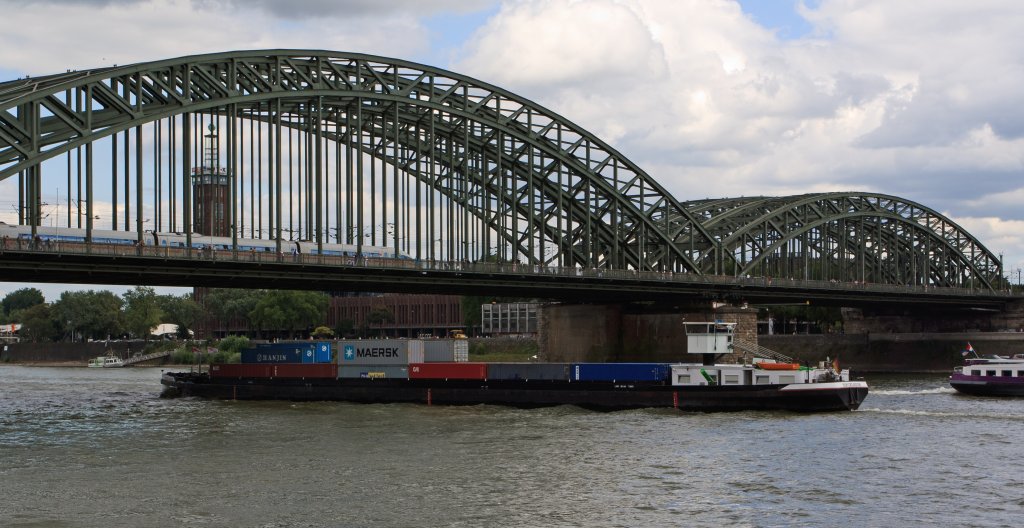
column 363, row 150
column 846, row 237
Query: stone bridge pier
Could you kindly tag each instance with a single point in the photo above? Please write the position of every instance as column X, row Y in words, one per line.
column 629, row 332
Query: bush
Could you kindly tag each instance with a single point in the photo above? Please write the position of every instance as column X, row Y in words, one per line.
column 234, row 344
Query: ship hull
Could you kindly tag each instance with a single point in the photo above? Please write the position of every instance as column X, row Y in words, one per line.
column 591, row 395
column 987, row 386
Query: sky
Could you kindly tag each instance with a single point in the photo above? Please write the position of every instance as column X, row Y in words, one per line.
column 713, row 98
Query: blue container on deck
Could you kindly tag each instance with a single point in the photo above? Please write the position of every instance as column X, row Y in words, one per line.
column 269, row 355
column 619, row 372
column 323, row 352
column 309, row 355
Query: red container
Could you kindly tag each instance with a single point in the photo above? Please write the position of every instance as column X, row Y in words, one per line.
column 460, row 370
column 278, row 370
column 240, row 370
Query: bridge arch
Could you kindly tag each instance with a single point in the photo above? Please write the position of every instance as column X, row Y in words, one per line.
column 845, row 236
column 528, row 183
column 365, row 150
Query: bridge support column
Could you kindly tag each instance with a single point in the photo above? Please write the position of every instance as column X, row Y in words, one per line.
column 629, row 332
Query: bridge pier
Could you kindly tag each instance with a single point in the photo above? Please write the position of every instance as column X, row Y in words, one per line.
column 629, row 332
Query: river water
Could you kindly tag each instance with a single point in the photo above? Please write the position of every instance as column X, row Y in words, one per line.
column 98, row 447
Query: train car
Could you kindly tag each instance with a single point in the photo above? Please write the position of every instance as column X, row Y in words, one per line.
column 307, row 247
column 179, row 240
column 64, row 234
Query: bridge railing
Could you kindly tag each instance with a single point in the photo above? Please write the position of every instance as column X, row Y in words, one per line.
column 500, row 268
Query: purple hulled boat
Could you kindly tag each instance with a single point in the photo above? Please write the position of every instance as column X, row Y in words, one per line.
column 989, row 375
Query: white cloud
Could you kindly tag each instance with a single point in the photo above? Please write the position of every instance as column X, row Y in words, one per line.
column 37, row 42
column 881, row 96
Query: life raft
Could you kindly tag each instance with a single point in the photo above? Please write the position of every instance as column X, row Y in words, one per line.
column 778, row 366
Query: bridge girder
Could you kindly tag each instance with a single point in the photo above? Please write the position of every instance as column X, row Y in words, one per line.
column 529, row 184
column 865, row 236
column 612, row 200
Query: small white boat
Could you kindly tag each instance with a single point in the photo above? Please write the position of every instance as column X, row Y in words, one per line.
column 106, row 362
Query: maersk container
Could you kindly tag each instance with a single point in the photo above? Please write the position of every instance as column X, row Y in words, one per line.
column 438, row 350
column 461, row 370
column 373, row 352
column 266, row 355
column 373, row 371
column 619, row 372
column 528, row 371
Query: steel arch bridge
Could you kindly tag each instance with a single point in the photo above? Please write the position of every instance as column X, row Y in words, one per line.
column 366, row 151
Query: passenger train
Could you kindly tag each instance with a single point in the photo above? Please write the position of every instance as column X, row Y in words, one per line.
column 199, row 242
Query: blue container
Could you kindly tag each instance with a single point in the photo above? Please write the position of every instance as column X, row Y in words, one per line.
column 323, row 352
column 619, row 372
column 265, row 355
column 309, row 355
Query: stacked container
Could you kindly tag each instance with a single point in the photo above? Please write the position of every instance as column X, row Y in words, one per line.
column 289, row 352
column 391, row 358
column 438, row 350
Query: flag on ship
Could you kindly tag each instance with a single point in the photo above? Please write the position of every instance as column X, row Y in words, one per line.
column 969, row 350
column 835, row 365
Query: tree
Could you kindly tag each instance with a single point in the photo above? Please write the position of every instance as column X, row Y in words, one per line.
column 180, row 310
column 379, row 316
column 21, row 299
column 226, row 304
column 89, row 314
column 345, row 328
column 322, row 332
column 141, row 311
column 289, row 310
column 37, row 324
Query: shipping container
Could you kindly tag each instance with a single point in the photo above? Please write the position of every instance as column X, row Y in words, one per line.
column 528, row 371
column 460, row 370
column 266, row 355
column 438, row 350
column 323, row 352
column 620, row 372
column 239, row 370
column 373, row 371
column 373, row 352
column 276, row 370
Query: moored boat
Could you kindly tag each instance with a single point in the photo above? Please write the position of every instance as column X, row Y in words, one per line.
column 108, row 361
column 989, row 375
column 704, row 386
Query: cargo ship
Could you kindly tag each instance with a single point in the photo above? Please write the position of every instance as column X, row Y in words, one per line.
column 438, row 373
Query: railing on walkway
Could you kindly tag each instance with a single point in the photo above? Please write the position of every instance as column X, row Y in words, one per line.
column 147, row 357
column 759, row 351
column 503, row 268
